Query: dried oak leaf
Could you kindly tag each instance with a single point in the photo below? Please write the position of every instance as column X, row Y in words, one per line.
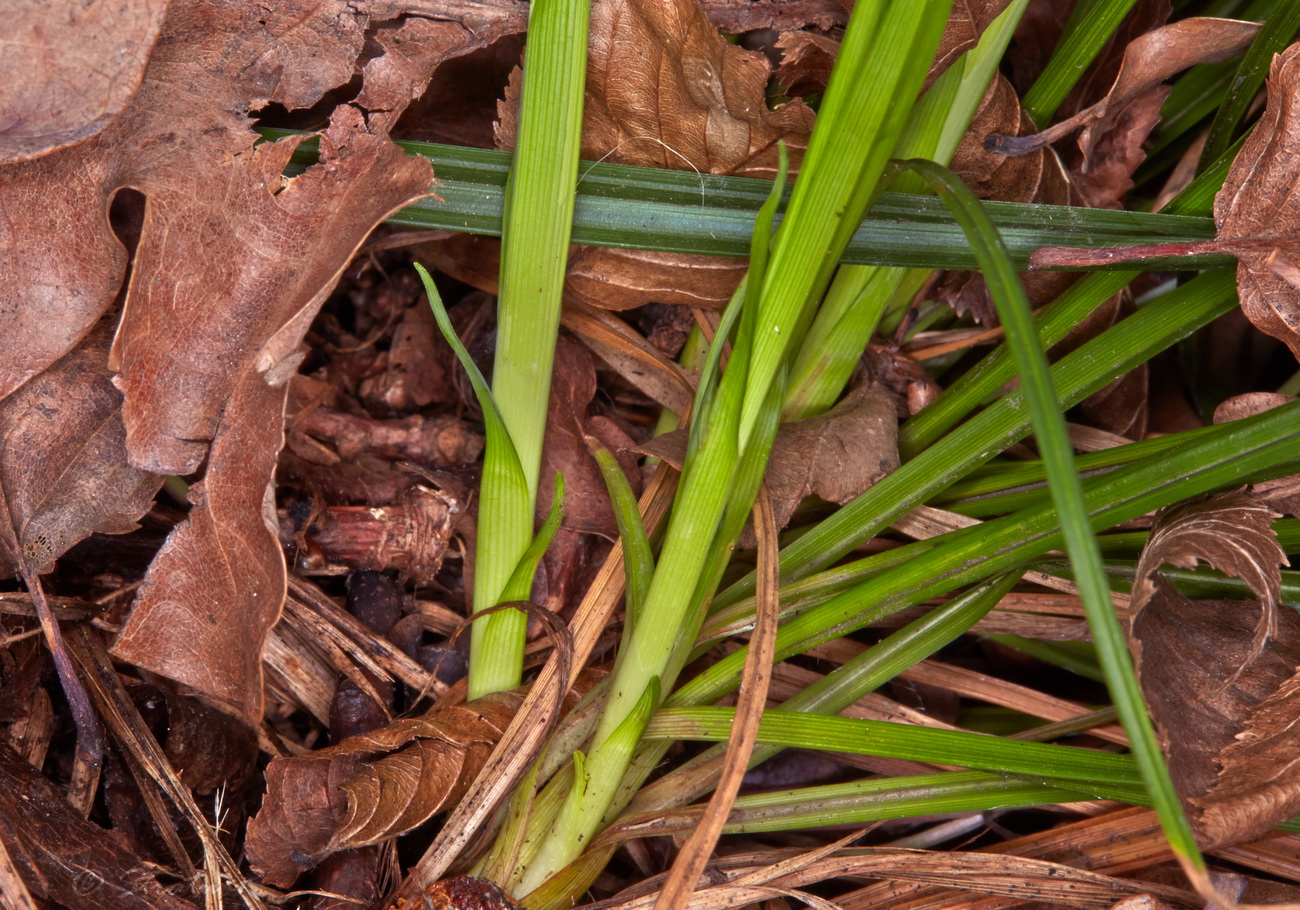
column 216, row 587
column 63, row 468
column 371, row 787
column 665, row 90
column 232, row 262
column 64, row 859
column 1258, row 204
column 1221, row 681
column 70, row 69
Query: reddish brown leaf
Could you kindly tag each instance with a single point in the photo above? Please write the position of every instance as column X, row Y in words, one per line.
column 806, row 61
column 65, row 859
column 371, row 787
column 231, row 263
column 993, row 176
column 69, row 70
column 1220, row 679
column 215, row 589
column 1257, row 202
column 63, row 464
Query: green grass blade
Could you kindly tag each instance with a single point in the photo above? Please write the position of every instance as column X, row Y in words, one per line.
column 885, row 54
column 1086, row 33
column 1067, row 494
column 1119, row 349
column 1277, row 32
column 638, row 557
column 1104, row 774
column 538, row 215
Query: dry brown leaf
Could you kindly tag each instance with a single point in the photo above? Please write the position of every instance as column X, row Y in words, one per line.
column 1257, row 202
column 371, row 787
column 993, row 176
column 806, row 61
column 1148, row 61
column 835, row 455
column 63, row 464
column 65, row 859
column 664, row 89
column 1220, row 679
column 70, row 69
column 216, row 587
column 231, row 263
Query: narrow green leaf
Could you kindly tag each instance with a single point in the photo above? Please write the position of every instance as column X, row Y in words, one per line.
column 1053, row 440
column 1104, row 774
column 638, row 558
column 1087, row 31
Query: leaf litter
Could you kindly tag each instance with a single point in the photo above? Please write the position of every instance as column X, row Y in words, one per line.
column 207, row 317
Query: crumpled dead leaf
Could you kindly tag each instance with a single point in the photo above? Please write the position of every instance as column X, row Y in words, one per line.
column 1221, row 679
column 1257, row 202
column 371, row 787
column 69, row 69
column 231, row 266
column 63, row 468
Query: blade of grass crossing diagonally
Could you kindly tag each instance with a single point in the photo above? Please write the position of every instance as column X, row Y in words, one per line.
column 1063, row 481
column 1087, row 31
column 535, row 246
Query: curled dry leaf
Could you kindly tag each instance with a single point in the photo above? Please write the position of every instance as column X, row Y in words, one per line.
column 70, row 69
column 1221, row 679
column 371, row 787
column 215, row 589
column 63, row 468
column 1148, row 61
